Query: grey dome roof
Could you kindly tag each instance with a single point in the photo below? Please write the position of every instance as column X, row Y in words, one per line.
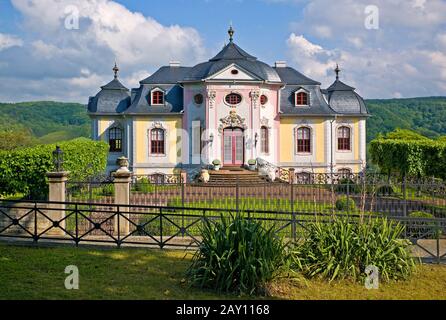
column 113, row 97
column 233, row 54
column 343, row 99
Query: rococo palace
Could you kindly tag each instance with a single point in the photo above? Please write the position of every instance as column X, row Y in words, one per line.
column 232, row 108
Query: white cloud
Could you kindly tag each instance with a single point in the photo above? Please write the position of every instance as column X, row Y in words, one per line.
column 404, row 56
column 108, row 31
column 8, row 41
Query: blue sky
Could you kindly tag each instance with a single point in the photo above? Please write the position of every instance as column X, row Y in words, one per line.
column 40, row 59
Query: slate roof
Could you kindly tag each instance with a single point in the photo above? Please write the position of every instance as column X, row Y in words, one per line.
column 339, row 98
column 113, row 98
column 318, row 105
column 343, row 99
column 233, row 54
column 173, row 100
column 167, row 75
column 292, row 76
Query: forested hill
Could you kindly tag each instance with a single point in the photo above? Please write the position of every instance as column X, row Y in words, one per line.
column 48, row 122
column 424, row 115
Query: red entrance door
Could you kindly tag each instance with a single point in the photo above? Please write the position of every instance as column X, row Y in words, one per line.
column 233, row 147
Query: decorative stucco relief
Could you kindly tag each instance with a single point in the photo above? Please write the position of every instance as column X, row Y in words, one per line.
column 232, row 120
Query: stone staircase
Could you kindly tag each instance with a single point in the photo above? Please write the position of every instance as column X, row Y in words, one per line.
column 232, row 176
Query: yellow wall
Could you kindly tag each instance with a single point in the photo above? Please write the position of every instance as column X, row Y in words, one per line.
column 173, row 126
column 287, row 143
column 103, row 124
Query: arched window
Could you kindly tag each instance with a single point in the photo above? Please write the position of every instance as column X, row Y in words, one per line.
column 264, row 140
column 115, row 139
column 301, row 99
column 233, row 98
column 157, row 142
column 344, row 138
column 263, row 99
column 157, row 97
column 304, row 140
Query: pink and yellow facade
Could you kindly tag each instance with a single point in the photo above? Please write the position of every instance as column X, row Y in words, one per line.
column 232, row 108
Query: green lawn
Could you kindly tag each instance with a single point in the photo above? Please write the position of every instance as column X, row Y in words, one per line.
column 38, row 273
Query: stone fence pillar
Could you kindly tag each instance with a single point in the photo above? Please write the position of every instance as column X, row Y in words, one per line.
column 57, row 211
column 122, row 180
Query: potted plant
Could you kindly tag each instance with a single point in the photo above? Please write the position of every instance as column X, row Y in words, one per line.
column 252, row 164
column 216, row 163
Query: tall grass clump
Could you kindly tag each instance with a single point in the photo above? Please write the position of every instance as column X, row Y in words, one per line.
column 342, row 249
column 236, row 255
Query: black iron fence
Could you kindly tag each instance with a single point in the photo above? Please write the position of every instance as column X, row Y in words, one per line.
column 308, row 193
column 162, row 226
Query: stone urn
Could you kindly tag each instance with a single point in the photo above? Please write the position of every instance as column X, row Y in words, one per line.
column 204, row 176
column 123, row 163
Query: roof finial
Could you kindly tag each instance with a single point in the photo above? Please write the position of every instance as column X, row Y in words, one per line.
column 116, row 70
column 231, row 32
column 337, row 70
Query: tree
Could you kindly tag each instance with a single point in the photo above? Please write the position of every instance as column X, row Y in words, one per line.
column 14, row 139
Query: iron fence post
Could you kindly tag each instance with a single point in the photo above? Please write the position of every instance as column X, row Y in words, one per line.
column 182, row 205
column 293, row 214
column 35, row 223
column 119, row 225
column 437, row 232
column 237, row 195
column 76, row 217
column 348, row 199
column 404, row 196
column 161, row 228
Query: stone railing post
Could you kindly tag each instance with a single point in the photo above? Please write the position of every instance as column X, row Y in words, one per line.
column 292, row 175
column 122, row 179
column 183, row 176
column 57, row 193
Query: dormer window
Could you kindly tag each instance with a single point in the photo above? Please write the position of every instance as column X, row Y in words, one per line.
column 234, row 72
column 301, row 98
column 157, row 97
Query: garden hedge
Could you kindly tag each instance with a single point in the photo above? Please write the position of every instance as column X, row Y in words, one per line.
column 24, row 171
column 410, row 157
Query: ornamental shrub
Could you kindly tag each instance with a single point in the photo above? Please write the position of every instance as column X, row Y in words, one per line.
column 24, row 170
column 143, row 185
column 236, row 255
column 343, row 203
column 343, row 249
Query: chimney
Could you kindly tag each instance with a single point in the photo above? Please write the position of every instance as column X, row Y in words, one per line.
column 280, row 64
column 174, row 64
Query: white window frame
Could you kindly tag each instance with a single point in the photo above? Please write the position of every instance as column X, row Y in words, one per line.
column 311, row 141
column 337, row 138
column 151, row 97
column 308, row 97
